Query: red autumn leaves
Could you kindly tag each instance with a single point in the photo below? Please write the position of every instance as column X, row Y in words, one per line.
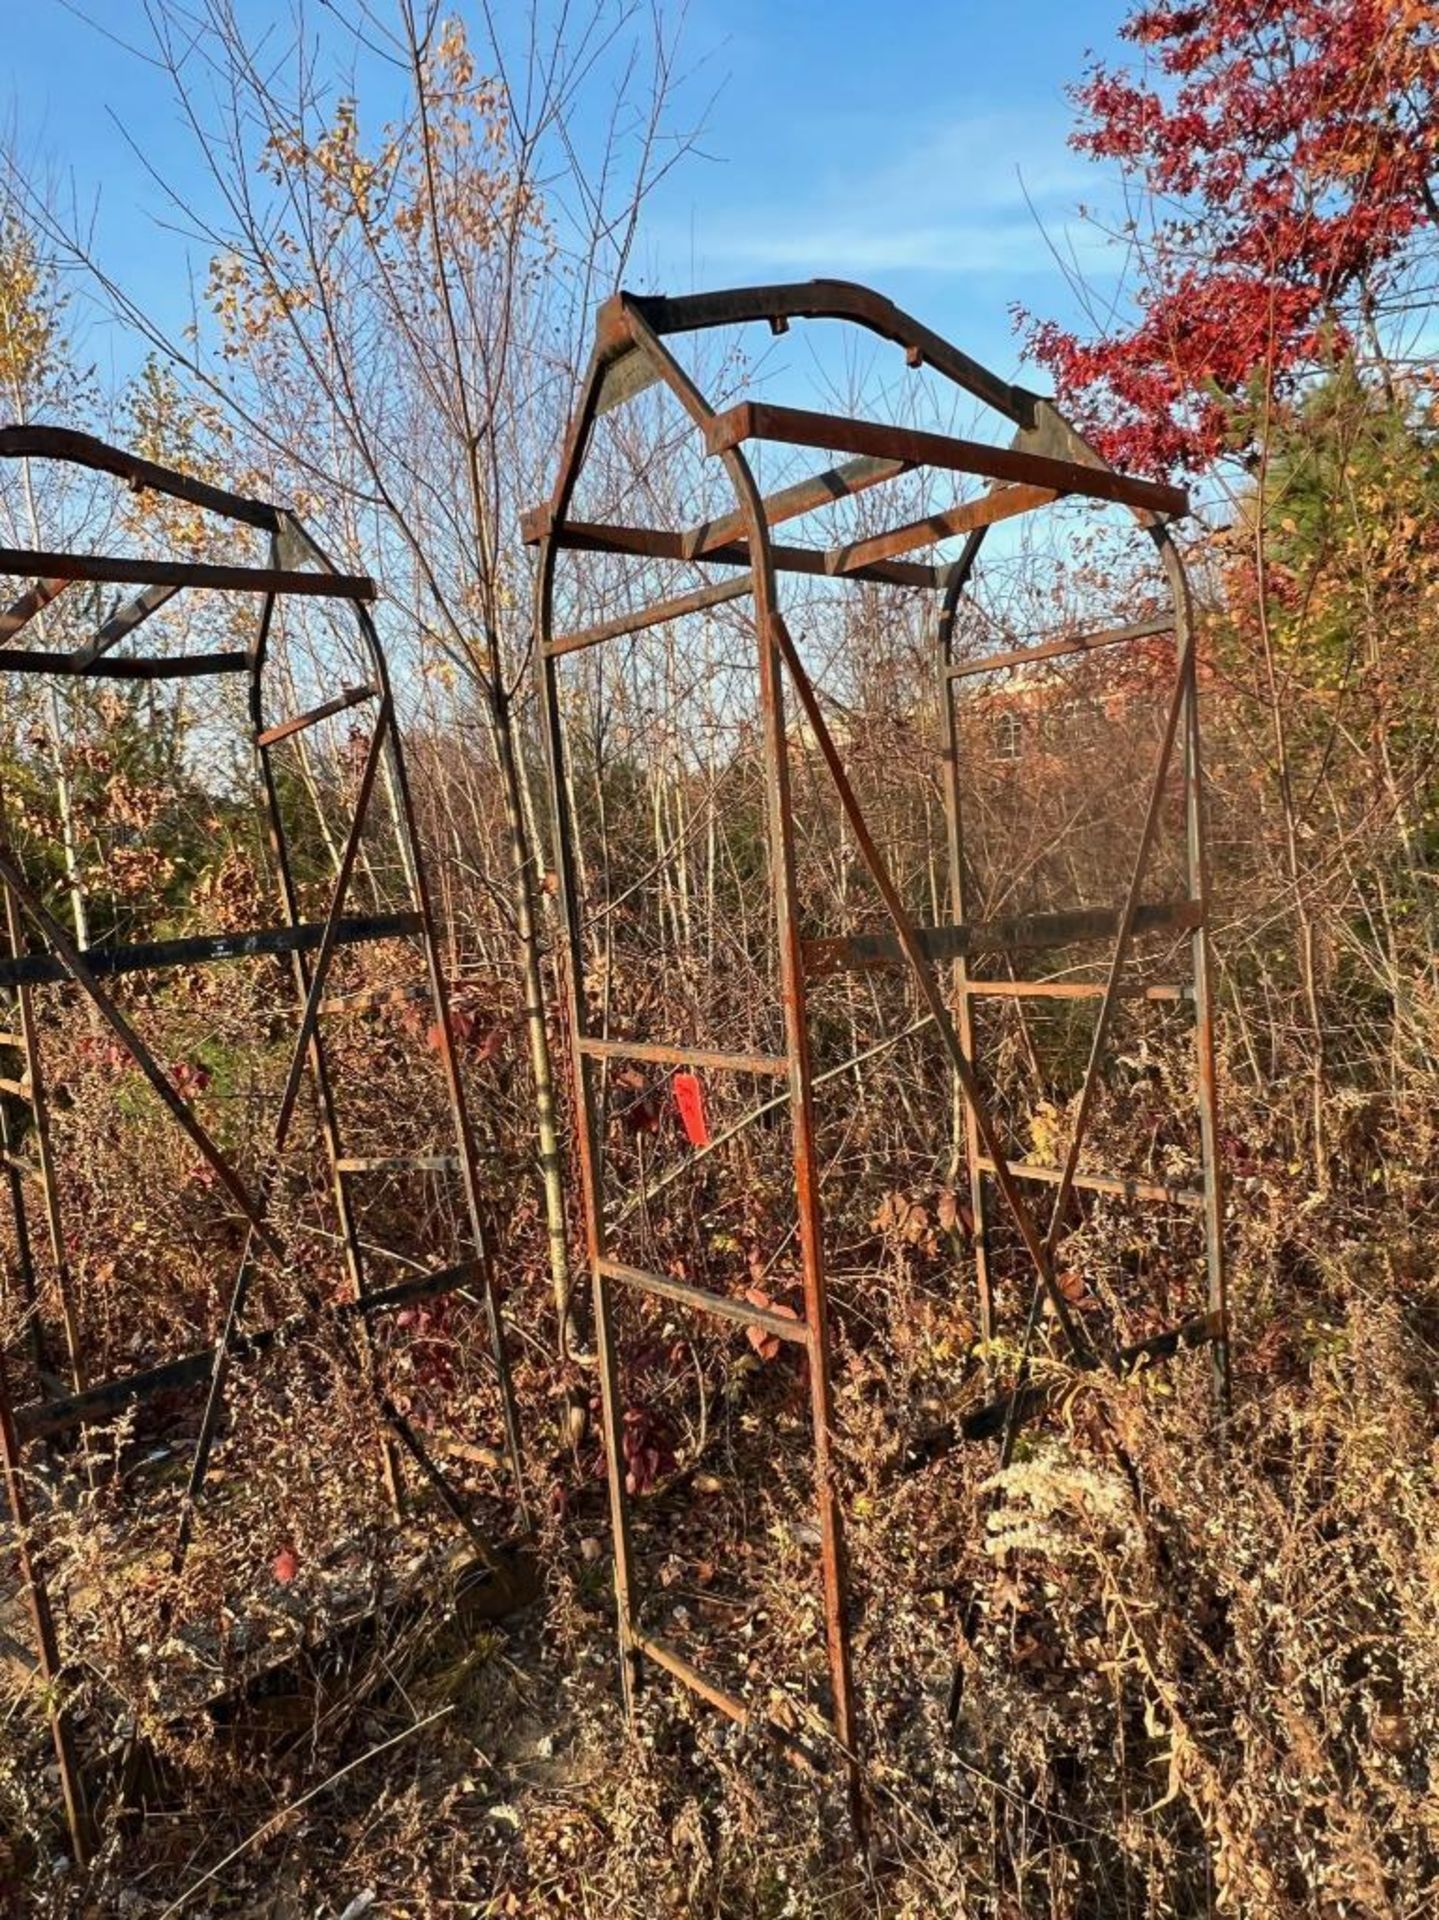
column 1286, row 154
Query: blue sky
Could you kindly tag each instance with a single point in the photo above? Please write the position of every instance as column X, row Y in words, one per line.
column 920, row 146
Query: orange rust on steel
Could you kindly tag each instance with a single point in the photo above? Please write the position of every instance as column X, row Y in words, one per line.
column 722, row 1305
column 82, row 449
column 123, row 570
column 674, row 1662
column 1003, row 503
column 351, row 697
column 1127, row 919
column 299, row 1059
column 929, row 989
column 784, row 887
column 758, row 420
column 540, row 526
column 1062, row 644
column 1117, row 1184
column 22, row 611
column 653, row 615
column 683, row 1056
column 1069, row 990
column 654, row 543
column 805, row 496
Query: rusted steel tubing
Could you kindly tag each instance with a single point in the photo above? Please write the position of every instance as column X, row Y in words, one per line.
column 36, row 969
column 729, row 1704
column 1029, row 933
column 654, row 615
column 654, row 543
column 1127, row 921
column 682, row 1056
column 758, row 420
column 284, row 729
column 1062, row 644
column 919, row 966
column 829, row 300
column 21, row 612
column 121, row 570
column 182, row 666
column 1069, row 990
column 77, row 966
column 723, row 1306
column 83, row 449
column 805, row 496
column 1117, row 1184
column 784, row 885
column 44, row 1168
column 112, row 1397
column 119, row 625
column 1022, row 1404
column 47, row 1645
column 258, row 1230
column 1002, row 503
column 572, row 971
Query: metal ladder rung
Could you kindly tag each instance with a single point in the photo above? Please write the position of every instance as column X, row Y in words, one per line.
column 20, row 1089
column 283, row 729
column 744, row 1313
column 1102, row 1183
column 8, row 1039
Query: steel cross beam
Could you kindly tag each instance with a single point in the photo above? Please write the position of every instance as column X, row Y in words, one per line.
column 297, row 568
column 1046, row 460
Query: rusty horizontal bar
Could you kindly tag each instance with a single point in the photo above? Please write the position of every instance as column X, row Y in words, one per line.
column 193, row 666
column 1067, row 990
column 1116, row 1184
column 758, row 420
column 120, row 624
column 654, row 615
column 20, row 1089
column 842, row 300
column 722, row 1305
column 1001, row 504
column 22, row 611
column 32, row 969
column 805, row 496
column 112, row 1397
column 682, row 1056
column 1062, row 644
column 989, row 1421
column 122, row 570
column 282, row 730
column 1027, row 933
column 689, row 1675
column 83, row 449
column 657, row 543
column 399, row 1163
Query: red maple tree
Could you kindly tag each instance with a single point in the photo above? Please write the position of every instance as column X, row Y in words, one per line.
column 1286, row 151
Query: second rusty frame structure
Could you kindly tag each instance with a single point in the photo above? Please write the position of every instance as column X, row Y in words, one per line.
column 1046, row 461
column 37, row 954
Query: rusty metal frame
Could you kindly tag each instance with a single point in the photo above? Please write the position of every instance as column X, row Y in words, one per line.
column 40, row 952
column 1047, row 460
